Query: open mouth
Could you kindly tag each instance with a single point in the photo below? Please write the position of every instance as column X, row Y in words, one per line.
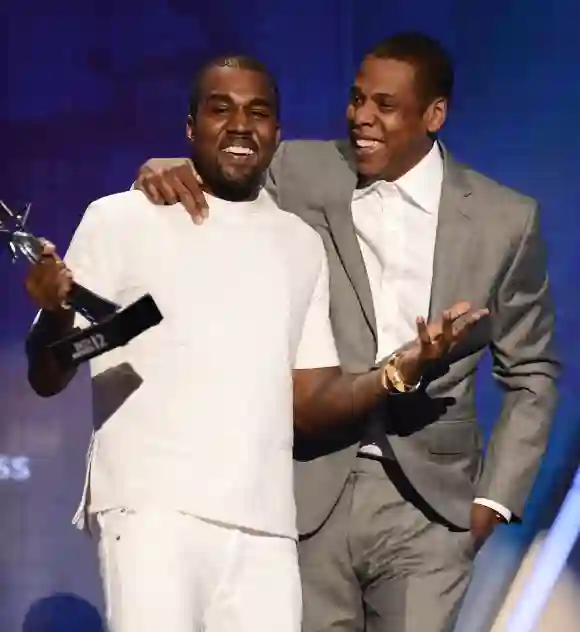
column 366, row 146
column 239, row 154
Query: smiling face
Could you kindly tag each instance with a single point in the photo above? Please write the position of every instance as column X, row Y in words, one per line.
column 234, row 131
column 389, row 121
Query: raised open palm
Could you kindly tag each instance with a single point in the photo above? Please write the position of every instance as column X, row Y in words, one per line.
column 438, row 338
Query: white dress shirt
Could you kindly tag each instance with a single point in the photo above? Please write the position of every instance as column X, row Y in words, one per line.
column 396, row 225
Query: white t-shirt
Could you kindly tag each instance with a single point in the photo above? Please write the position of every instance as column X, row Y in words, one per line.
column 196, row 414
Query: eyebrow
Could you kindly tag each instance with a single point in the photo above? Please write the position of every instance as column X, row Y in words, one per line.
column 376, row 95
column 384, row 95
column 217, row 96
column 261, row 101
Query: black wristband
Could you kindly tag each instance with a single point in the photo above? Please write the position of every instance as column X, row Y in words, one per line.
column 48, row 329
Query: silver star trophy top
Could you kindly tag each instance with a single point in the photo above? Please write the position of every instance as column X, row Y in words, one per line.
column 20, row 241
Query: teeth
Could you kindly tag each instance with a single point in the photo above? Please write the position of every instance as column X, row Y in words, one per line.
column 367, row 144
column 239, row 151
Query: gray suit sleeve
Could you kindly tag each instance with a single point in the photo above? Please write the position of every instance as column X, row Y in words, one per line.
column 274, row 174
column 525, row 366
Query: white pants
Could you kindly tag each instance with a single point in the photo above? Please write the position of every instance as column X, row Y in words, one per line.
column 164, row 571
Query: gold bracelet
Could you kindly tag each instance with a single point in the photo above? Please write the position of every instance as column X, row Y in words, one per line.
column 390, row 376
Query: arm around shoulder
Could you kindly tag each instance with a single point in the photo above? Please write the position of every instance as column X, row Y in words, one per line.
column 274, row 173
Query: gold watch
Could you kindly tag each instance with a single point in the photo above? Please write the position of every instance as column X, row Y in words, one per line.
column 391, row 377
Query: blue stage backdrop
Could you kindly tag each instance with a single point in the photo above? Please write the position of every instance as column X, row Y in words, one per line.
column 91, row 89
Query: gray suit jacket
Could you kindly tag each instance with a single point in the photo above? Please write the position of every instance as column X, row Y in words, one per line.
column 488, row 251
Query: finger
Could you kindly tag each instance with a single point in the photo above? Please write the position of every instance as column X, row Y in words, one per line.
column 191, row 180
column 462, row 328
column 458, row 310
column 194, row 203
column 60, row 287
column 58, row 261
column 64, row 284
column 48, row 264
column 48, row 248
column 473, row 318
column 197, row 176
column 423, row 332
column 163, row 183
column 202, row 199
column 452, row 314
column 150, row 190
column 447, row 327
column 479, row 314
column 140, row 183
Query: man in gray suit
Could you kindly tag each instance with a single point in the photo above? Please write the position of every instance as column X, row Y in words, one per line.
column 391, row 517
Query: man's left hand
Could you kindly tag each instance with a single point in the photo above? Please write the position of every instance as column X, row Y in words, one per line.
column 435, row 340
column 483, row 522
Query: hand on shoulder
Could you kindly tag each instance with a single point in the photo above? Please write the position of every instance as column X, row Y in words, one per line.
column 172, row 180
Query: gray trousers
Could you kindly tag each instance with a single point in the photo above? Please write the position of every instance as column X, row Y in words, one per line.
column 379, row 564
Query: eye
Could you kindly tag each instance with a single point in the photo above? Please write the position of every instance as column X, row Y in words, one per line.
column 261, row 114
column 385, row 105
column 219, row 108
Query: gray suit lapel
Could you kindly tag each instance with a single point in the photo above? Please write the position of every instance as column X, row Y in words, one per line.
column 339, row 217
column 454, row 229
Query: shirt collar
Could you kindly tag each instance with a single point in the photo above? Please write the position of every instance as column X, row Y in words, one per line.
column 421, row 185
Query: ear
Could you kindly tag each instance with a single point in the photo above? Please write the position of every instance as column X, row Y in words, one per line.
column 278, row 135
column 190, row 128
column 435, row 115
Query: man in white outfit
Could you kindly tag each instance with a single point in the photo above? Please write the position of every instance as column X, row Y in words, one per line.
column 189, row 482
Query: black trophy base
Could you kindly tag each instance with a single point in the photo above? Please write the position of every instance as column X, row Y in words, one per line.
column 116, row 330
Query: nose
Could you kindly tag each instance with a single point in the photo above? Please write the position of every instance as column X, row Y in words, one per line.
column 364, row 113
column 239, row 121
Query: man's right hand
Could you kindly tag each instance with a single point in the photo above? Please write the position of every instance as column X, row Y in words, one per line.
column 172, row 180
column 49, row 280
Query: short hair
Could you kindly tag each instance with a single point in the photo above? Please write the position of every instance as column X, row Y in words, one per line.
column 432, row 63
column 242, row 62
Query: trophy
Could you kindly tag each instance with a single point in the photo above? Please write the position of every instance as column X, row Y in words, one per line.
column 110, row 326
